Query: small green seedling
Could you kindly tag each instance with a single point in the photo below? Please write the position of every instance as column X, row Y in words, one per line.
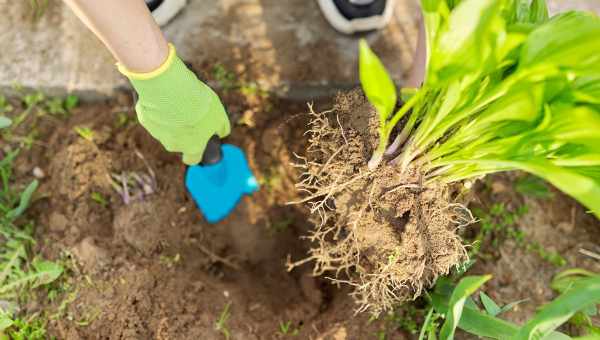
column 85, row 133
column 5, row 122
column 226, row 79
column 221, row 324
column 99, row 198
column 32, row 99
column 5, row 105
column 286, row 328
column 20, row 272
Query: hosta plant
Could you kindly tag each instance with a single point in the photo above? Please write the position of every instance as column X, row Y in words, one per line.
column 506, row 88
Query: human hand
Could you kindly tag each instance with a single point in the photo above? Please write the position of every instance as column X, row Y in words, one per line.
column 177, row 108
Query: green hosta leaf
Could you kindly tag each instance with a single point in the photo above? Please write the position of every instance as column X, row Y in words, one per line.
column 587, row 89
column 476, row 322
column 482, row 324
column 376, row 82
column 5, row 321
column 463, row 290
column 473, row 31
column 585, row 292
column 568, row 40
column 579, row 125
column 24, row 201
column 5, row 122
column 538, row 12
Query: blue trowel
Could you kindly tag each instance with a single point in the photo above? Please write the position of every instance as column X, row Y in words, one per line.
column 218, row 183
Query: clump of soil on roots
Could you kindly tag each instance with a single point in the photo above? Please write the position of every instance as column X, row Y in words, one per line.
column 383, row 231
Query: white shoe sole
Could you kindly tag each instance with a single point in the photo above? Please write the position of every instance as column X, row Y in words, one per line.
column 167, row 11
column 343, row 25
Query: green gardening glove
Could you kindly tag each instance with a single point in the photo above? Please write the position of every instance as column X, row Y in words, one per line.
column 177, row 108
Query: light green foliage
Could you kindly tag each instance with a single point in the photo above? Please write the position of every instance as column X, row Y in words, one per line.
column 33, row 328
column 221, row 323
column 492, row 308
column 4, row 107
column 581, row 294
column 61, row 106
column 381, row 93
column 85, row 132
column 22, row 122
column 99, row 198
column 287, row 328
column 224, row 78
column 464, row 289
column 508, row 88
column 19, row 274
column 565, row 281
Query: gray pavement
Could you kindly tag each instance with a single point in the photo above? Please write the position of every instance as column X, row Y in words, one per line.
column 284, row 45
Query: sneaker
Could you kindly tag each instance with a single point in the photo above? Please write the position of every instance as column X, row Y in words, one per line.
column 354, row 16
column 164, row 10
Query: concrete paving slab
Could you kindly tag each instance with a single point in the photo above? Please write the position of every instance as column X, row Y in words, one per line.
column 284, row 46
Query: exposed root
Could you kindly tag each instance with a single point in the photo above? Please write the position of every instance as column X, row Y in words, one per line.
column 380, row 231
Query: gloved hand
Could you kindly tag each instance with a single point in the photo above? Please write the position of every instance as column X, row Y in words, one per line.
column 177, row 108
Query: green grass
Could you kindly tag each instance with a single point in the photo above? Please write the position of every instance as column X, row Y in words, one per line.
column 85, row 133
column 287, row 329
column 99, row 198
column 21, row 118
column 20, row 271
column 453, row 302
column 500, row 223
column 221, row 323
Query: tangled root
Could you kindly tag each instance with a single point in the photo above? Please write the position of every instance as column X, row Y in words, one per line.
column 381, row 231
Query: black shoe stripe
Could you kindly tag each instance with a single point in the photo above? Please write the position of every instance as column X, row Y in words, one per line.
column 153, row 4
column 353, row 11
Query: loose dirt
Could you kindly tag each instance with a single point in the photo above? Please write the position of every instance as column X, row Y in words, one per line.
column 154, row 269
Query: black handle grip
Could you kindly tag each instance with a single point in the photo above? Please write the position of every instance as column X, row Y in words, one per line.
column 212, row 153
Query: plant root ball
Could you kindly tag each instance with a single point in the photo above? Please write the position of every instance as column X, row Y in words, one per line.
column 382, row 231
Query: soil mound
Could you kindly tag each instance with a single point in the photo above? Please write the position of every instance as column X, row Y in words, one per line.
column 385, row 231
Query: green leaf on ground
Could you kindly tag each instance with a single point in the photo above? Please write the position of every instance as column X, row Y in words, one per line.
column 467, row 286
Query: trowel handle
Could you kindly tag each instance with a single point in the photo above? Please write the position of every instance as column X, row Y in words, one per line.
column 212, row 153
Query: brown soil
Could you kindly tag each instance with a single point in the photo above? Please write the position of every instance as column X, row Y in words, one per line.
column 154, row 269
column 389, row 235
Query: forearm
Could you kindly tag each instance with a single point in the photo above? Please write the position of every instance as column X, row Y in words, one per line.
column 127, row 29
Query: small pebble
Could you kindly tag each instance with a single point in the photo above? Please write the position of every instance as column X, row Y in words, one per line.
column 38, row 173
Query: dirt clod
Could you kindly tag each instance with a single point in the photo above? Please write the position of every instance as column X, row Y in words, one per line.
column 91, row 255
column 138, row 224
column 58, row 222
column 382, row 231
